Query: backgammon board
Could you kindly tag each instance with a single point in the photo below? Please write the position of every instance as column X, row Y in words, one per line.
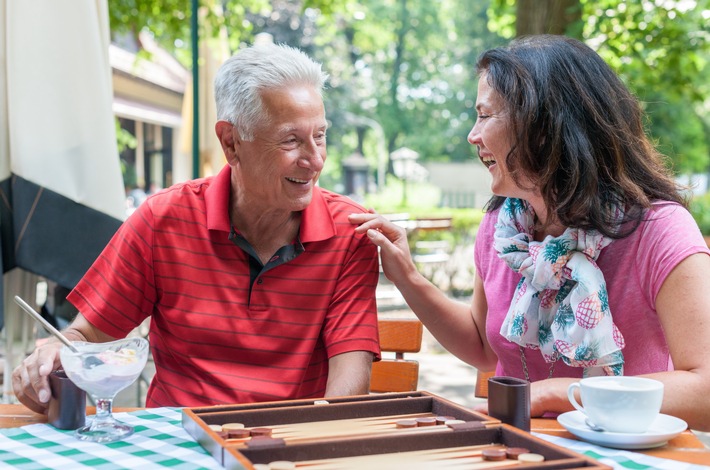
column 410, row 430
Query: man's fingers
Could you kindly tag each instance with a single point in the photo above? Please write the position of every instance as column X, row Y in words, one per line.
column 37, row 382
column 25, row 392
column 30, row 379
column 46, row 364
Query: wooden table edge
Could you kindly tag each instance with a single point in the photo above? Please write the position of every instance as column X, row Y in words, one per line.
column 685, row 447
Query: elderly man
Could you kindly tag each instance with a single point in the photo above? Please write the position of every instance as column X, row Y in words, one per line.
column 255, row 284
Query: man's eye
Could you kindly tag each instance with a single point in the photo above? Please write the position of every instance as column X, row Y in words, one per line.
column 483, row 116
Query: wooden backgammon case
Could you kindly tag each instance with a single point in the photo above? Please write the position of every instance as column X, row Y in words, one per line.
column 362, row 432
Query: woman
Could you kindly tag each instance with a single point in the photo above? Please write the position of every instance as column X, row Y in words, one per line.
column 587, row 260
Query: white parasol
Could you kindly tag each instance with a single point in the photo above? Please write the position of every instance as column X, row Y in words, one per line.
column 61, row 190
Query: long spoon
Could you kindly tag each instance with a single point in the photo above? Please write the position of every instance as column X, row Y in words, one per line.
column 47, row 326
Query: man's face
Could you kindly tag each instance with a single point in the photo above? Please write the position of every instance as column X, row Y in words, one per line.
column 279, row 168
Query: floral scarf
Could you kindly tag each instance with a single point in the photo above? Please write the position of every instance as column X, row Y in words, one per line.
column 560, row 305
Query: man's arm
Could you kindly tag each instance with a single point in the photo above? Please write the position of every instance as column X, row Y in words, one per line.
column 349, row 374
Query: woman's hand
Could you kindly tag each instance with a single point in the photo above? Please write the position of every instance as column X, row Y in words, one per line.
column 396, row 258
column 550, row 396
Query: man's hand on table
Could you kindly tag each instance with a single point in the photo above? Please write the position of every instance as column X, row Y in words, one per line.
column 29, row 379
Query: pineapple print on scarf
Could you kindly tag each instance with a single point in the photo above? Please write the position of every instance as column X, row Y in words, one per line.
column 560, row 306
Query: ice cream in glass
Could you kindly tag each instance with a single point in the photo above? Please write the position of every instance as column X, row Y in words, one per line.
column 103, row 370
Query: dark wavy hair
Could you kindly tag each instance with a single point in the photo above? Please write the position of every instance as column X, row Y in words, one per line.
column 579, row 132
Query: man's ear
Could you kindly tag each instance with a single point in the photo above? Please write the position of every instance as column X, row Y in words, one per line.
column 229, row 139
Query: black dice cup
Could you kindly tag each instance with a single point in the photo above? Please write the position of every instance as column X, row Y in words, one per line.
column 509, row 401
column 67, row 406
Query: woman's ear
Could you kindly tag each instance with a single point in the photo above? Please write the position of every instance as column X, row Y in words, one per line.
column 229, row 139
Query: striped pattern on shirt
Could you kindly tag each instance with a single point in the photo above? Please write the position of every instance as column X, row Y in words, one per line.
column 212, row 340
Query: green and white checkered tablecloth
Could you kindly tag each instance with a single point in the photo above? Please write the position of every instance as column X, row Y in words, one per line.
column 620, row 459
column 159, row 442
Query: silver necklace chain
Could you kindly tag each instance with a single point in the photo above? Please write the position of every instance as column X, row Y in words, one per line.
column 525, row 364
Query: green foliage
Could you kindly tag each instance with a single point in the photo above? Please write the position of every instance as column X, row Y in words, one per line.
column 402, row 69
column 405, row 65
column 700, row 209
column 124, row 139
column 661, row 49
column 169, row 21
column 680, row 133
column 130, row 178
column 502, row 17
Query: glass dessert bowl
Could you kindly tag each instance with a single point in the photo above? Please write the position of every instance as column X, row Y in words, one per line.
column 103, row 370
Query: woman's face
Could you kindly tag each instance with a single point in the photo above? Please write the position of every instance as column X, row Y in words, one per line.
column 492, row 136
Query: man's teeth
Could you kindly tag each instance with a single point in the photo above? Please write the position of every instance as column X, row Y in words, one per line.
column 294, row 180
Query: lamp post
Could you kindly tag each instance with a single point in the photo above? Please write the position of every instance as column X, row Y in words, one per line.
column 355, row 171
column 402, row 160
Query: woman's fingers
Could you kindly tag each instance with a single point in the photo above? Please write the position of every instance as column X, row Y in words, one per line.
column 376, row 222
column 365, row 222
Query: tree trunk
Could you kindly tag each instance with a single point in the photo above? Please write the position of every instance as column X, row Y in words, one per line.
column 548, row 17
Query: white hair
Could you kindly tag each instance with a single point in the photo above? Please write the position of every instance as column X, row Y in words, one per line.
column 241, row 79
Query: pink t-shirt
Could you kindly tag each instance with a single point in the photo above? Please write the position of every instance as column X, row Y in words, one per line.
column 634, row 268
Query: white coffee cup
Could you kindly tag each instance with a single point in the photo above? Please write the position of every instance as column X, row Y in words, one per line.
column 619, row 403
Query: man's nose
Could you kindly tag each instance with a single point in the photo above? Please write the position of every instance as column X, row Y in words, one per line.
column 312, row 156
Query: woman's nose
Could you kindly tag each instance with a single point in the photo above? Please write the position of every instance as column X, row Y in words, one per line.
column 474, row 137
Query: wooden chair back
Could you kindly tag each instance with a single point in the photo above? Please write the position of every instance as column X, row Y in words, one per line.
column 399, row 336
column 482, row 377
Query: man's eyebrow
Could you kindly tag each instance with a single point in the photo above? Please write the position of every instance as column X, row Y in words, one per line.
column 287, row 129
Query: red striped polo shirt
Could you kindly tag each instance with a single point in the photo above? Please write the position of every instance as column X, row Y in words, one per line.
column 215, row 340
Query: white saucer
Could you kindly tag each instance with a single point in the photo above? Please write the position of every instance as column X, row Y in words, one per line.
column 664, row 428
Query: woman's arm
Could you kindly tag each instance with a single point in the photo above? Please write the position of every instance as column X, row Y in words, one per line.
column 458, row 327
column 683, row 306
